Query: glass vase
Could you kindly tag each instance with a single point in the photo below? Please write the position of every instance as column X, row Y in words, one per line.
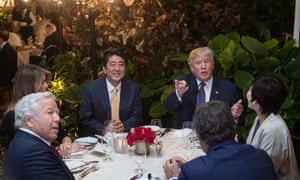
column 141, row 147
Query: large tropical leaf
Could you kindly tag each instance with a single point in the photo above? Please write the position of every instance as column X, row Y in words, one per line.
column 254, row 46
column 243, row 80
column 218, row 43
column 226, row 56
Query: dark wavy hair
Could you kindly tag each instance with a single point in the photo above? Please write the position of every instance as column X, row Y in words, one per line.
column 214, row 123
column 111, row 52
column 269, row 92
column 4, row 35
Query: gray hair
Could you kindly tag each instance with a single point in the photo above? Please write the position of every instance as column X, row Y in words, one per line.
column 28, row 106
column 213, row 122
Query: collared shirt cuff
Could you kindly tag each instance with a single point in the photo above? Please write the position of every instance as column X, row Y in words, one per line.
column 173, row 178
column 178, row 97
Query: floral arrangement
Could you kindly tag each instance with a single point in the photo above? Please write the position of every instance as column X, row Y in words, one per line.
column 140, row 133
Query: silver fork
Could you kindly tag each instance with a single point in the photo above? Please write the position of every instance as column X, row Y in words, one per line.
column 92, row 168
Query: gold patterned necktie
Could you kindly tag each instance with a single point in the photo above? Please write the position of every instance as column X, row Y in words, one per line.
column 114, row 104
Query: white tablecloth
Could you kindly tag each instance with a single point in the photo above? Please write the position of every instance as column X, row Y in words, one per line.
column 122, row 167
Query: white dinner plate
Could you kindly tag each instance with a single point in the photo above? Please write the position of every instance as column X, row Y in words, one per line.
column 153, row 128
column 75, row 165
column 78, row 154
column 86, row 140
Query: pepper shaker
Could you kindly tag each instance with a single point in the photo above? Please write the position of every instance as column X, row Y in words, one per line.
column 159, row 148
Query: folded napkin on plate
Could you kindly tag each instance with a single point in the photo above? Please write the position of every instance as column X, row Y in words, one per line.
column 182, row 132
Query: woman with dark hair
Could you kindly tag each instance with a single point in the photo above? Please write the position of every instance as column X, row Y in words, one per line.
column 269, row 131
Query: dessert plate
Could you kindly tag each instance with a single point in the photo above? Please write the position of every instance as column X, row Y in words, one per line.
column 86, row 140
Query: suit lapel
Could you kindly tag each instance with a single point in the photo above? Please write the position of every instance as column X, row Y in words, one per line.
column 193, row 89
column 215, row 90
column 124, row 96
column 102, row 90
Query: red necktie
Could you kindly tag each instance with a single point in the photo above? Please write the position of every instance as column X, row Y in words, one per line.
column 55, row 150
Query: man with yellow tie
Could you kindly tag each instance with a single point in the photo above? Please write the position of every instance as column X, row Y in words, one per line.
column 110, row 103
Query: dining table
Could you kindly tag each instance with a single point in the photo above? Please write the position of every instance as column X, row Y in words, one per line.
column 173, row 143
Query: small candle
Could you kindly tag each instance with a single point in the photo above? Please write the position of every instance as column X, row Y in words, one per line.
column 120, row 144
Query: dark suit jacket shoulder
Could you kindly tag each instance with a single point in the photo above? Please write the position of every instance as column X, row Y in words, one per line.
column 229, row 160
column 95, row 106
column 30, row 158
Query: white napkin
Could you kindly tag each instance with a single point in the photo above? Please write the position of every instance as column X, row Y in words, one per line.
column 182, row 132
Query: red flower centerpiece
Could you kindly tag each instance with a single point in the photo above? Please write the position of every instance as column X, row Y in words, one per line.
column 140, row 133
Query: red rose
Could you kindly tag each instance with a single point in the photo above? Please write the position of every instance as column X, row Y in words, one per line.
column 140, row 133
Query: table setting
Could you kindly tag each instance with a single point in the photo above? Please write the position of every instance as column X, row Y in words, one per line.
column 117, row 156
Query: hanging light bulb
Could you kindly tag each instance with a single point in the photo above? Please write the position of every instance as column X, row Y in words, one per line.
column 128, row 2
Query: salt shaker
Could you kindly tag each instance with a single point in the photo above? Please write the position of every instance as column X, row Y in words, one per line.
column 159, row 148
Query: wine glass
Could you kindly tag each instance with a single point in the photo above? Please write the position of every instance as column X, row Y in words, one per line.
column 187, row 124
column 138, row 159
column 108, row 149
column 156, row 122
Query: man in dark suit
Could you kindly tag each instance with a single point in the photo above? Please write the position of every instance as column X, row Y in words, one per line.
column 187, row 89
column 53, row 44
column 29, row 155
column 225, row 158
column 8, row 60
column 97, row 112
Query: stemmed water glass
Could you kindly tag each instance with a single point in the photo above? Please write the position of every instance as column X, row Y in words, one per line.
column 138, row 159
column 156, row 122
column 108, row 149
column 187, row 124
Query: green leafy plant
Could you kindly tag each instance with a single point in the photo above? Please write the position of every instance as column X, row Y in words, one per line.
column 242, row 58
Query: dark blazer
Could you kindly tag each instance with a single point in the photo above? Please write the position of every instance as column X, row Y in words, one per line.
column 228, row 161
column 28, row 157
column 8, row 64
column 222, row 90
column 9, row 127
column 95, row 107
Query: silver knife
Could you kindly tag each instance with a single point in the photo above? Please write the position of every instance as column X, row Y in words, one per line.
column 136, row 176
column 92, row 168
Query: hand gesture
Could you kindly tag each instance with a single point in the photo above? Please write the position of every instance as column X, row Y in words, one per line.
column 181, row 87
column 237, row 109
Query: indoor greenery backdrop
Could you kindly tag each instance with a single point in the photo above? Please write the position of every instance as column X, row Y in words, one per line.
column 157, row 36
